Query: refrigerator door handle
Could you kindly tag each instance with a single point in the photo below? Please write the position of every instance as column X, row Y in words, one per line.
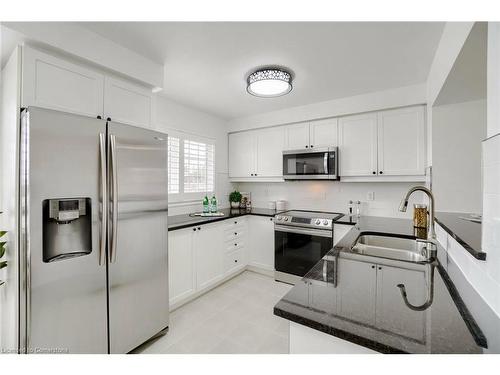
column 114, row 198
column 104, row 199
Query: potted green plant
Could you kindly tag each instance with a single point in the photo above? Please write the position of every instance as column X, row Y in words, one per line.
column 3, row 264
column 235, row 198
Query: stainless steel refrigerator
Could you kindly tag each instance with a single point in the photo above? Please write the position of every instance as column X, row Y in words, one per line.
column 93, row 234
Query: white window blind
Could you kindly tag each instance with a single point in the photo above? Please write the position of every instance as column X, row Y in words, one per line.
column 173, row 165
column 191, row 167
column 198, row 167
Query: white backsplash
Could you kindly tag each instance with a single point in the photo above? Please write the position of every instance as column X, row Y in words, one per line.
column 334, row 195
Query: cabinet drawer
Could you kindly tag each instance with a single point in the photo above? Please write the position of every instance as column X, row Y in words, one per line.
column 233, row 245
column 230, row 224
column 234, row 233
column 233, row 261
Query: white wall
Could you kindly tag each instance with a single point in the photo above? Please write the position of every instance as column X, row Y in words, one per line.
column 457, row 132
column 493, row 78
column 399, row 97
column 173, row 116
column 8, row 219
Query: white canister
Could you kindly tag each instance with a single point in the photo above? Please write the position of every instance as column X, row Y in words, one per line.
column 271, row 205
column 281, row 205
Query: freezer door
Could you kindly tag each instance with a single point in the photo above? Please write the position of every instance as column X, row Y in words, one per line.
column 63, row 297
column 138, row 269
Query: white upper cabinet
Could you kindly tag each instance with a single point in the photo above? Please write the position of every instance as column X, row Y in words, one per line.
column 323, row 133
column 54, row 83
column 241, row 154
column 269, row 147
column 297, row 136
column 401, row 142
column 127, row 103
column 358, row 145
column 386, row 143
column 257, row 154
column 319, row 133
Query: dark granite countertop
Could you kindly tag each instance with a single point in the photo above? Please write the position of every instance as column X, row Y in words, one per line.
column 365, row 306
column 186, row 221
column 465, row 232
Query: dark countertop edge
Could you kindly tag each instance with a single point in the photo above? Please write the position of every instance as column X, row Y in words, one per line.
column 478, row 254
column 467, row 317
column 208, row 220
column 355, row 339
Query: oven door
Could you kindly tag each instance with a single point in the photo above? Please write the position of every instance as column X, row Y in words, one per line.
column 297, row 250
column 310, row 164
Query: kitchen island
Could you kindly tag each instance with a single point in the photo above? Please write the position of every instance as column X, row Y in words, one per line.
column 350, row 303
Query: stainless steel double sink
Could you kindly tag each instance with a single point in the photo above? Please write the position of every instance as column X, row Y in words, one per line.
column 392, row 247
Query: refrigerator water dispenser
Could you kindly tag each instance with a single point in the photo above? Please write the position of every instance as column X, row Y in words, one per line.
column 67, row 228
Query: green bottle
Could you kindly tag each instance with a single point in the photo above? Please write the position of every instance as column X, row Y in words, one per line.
column 206, row 205
column 213, row 204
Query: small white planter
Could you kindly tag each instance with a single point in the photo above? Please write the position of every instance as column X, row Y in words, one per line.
column 235, row 204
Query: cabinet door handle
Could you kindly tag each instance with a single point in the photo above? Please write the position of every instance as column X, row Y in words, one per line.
column 236, row 222
column 235, row 261
column 194, row 229
column 235, row 233
column 199, row 228
column 235, row 244
column 312, row 146
column 373, row 267
column 307, row 146
column 381, row 172
column 374, row 172
column 380, row 268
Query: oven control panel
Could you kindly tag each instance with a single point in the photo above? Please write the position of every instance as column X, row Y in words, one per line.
column 304, row 221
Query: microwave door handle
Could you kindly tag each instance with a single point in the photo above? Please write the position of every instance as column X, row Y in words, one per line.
column 325, row 163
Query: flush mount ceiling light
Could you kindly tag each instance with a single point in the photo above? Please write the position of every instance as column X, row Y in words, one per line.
column 269, row 82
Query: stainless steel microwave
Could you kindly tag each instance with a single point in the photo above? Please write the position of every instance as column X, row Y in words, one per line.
column 311, row 164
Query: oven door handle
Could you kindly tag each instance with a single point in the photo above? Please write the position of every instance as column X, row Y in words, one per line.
column 311, row 232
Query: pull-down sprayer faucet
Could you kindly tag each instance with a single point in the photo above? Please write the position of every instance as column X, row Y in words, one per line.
column 431, row 249
column 404, row 205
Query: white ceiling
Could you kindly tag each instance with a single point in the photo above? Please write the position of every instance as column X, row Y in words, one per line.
column 206, row 63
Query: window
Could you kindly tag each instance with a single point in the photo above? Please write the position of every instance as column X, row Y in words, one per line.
column 198, row 167
column 191, row 163
column 173, row 165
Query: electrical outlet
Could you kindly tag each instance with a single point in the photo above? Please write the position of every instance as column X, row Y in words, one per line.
column 370, row 196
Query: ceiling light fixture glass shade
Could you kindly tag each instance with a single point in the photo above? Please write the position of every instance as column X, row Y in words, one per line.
column 269, row 83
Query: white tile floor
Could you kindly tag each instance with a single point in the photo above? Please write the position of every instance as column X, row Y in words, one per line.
column 236, row 317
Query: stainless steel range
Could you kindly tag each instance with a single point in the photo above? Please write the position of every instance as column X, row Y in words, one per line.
column 301, row 239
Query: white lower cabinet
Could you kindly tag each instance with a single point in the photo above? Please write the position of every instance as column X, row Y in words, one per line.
column 261, row 242
column 208, row 244
column 201, row 257
column 305, row 340
column 181, row 275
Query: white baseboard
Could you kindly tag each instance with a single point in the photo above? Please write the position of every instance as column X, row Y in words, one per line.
column 262, row 271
